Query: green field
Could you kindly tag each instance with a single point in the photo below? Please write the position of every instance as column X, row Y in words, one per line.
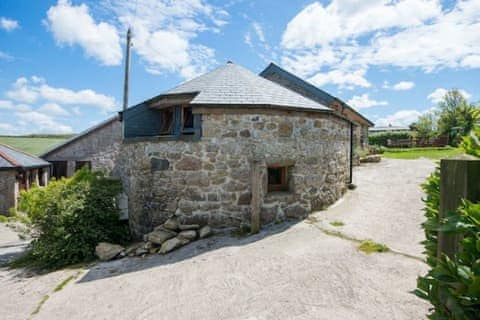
column 33, row 145
column 415, row 153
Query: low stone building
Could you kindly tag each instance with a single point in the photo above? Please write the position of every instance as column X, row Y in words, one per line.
column 292, row 82
column 206, row 148
column 196, row 151
column 97, row 148
column 19, row 171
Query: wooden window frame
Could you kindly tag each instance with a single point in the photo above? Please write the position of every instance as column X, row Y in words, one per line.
column 182, row 121
column 171, row 129
column 283, row 185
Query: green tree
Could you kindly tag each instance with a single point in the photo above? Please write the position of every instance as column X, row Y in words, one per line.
column 426, row 125
column 456, row 116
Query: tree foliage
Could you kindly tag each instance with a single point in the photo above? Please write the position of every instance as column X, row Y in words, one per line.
column 380, row 139
column 71, row 217
column 457, row 116
column 426, row 126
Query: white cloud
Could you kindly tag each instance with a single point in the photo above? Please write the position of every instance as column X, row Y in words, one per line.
column 10, row 105
column 438, row 94
column 363, row 101
column 6, row 128
column 344, row 19
column 5, row 56
column 73, row 25
column 8, row 24
column 355, row 35
column 401, row 118
column 341, row 78
column 42, row 123
column 258, row 31
column 164, row 33
column 53, row 109
column 36, row 88
column 403, row 85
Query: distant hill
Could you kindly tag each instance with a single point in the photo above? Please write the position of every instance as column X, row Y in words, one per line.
column 34, row 143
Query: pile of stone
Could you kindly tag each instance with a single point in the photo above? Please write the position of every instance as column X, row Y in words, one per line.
column 371, row 158
column 164, row 238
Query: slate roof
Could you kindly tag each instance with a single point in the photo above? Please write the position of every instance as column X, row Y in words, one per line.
column 272, row 71
column 13, row 158
column 232, row 84
column 80, row 135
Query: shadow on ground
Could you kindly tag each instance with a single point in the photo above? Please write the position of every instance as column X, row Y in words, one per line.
column 133, row 264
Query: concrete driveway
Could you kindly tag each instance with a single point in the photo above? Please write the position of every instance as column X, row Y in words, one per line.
column 289, row 271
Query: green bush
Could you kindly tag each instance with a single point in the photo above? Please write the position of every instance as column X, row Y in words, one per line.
column 380, row 139
column 71, row 217
column 471, row 143
column 452, row 286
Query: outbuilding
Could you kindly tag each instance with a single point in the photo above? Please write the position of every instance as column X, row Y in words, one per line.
column 204, row 149
column 19, row 171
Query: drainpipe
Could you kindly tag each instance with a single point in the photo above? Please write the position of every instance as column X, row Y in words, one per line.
column 350, row 182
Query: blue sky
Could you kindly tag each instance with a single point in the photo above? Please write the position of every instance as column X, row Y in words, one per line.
column 61, row 62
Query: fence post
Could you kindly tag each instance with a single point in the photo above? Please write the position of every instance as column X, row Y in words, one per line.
column 459, row 179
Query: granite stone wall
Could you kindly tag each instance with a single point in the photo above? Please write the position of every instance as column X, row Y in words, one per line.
column 8, row 191
column 100, row 147
column 208, row 181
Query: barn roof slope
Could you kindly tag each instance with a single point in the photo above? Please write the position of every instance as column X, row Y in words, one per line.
column 13, row 158
column 234, row 85
column 272, row 71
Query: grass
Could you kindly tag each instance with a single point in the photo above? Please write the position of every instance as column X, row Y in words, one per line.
column 368, row 246
column 33, row 145
column 415, row 153
column 40, row 304
column 337, row 223
column 62, row 284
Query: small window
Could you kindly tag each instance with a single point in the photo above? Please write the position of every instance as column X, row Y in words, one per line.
column 167, row 121
column 187, row 120
column 80, row 164
column 59, row 169
column 277, row 178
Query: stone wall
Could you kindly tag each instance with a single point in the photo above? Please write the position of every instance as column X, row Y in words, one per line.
column 208, row 181
column 100, row 146
column 8, row 191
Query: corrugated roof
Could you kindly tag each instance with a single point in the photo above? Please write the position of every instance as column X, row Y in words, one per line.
column 13, row 158
column 272, row 71
column 232, row 84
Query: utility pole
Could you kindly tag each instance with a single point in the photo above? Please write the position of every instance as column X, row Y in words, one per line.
column 125, row 85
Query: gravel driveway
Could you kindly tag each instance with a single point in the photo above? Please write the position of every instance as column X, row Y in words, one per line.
column 289, row 271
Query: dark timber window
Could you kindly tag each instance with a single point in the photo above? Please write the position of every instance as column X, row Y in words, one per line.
column 80, row 164
column 167, row 117
column 277, row 178
column 187, row 120
column 59, row 169
column 41, row 177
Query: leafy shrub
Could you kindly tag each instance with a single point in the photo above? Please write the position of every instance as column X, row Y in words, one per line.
column 380, row 139
column 374, row 149
column 452, row 286
column 71, row 217
column 471, row 143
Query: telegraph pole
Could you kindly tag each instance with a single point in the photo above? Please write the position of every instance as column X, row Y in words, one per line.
column 125, row 85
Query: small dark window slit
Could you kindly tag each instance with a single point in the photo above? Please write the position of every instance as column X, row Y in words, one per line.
column 277, row 178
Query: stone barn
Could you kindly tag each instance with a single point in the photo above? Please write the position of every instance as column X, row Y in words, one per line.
column 288, row 80
column 97, row 148
column 197, row 150
column 19, row 171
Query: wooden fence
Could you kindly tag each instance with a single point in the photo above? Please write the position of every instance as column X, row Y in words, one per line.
column 441, row 141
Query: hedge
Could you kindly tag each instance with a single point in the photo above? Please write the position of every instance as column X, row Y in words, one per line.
column 380, row 139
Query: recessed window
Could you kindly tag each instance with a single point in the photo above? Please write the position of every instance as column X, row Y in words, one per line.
column 167, row 121
column 80, row 164
column 187, row 120
column 277, row 178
